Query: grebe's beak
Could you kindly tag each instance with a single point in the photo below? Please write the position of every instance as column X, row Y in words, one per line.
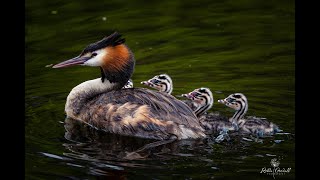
column 222, row 101
column 147, row 83
column 189, row 95
column 71, row 62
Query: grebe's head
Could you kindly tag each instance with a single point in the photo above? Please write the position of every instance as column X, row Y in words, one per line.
column 202, row 96
column 110, row 54
column 236, row 101
column 129, row 84
column 160, row 82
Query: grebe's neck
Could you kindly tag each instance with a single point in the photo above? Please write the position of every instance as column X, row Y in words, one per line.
column 238, row 115
column 169, row 88
column 201, row 109
column 83, row 92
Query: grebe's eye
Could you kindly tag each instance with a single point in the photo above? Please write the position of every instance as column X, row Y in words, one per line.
column 230, row 100
column 94, row 54
column 197, row 94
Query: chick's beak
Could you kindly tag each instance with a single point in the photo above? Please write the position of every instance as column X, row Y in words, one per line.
column 71, row 62
column 222, row 101
column 145, row 82
column 189, row 96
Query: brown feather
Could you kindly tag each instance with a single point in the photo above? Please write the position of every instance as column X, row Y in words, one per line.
column 117, row 58
column 141, row 112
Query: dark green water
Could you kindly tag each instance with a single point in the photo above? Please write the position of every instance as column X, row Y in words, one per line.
column 229, row 46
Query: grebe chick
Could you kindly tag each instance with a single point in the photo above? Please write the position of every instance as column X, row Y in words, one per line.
column 252, row 125
column 103, row 104
column 129, row 84
column 201, row 100
column 162, row 83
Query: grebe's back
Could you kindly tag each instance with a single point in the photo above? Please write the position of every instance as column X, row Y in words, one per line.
column 141, row 112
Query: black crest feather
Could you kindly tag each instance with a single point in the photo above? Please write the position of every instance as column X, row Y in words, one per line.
column 112, row 40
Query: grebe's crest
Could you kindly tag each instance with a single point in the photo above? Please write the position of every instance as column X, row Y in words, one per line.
column 161, row 82
column 112, row 40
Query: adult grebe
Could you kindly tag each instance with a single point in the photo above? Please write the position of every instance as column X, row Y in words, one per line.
column 161, row 82
column 103, row 104
column 252, row 125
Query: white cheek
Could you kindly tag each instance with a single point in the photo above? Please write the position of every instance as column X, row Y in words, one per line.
column 97, row 60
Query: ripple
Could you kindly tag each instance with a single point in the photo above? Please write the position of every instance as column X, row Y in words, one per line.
column 55, row 156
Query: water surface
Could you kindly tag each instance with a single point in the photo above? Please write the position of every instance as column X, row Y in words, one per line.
column 229, row 46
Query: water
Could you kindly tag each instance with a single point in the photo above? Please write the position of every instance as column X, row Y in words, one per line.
column 229, row 46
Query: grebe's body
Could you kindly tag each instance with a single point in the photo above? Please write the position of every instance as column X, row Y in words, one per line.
column 137, row 112
column 251, row 125
column 258, row 126
column 214, row 123
column 103, row 104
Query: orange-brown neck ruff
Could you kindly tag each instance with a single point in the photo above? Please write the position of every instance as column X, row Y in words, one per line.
column 118, row 64
column 117, row 58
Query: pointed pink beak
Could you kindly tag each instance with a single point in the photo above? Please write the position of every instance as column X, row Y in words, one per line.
column 72, row 62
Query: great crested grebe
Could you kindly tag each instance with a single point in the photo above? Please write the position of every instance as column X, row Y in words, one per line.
column 161, row 82
column 129, row 84
column 103, row 104
column 252, row 125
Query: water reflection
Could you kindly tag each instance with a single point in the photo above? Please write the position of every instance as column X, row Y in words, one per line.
column 110, row 155
column 90, row 144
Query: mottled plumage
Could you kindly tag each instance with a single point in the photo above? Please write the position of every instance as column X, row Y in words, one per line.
column 141, row 112
column 258, row 126
column 213, row 123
